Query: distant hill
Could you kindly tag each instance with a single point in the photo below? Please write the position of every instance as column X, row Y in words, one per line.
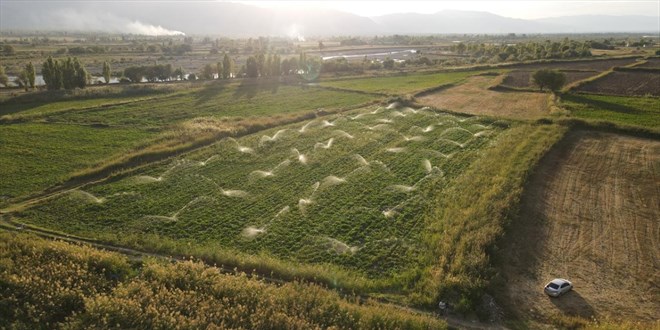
column 240, row 20
column 604, row 23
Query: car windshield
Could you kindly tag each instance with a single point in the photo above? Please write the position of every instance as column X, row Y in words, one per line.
column 553, row 286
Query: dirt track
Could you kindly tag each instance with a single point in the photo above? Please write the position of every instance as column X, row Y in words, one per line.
column 591, row 214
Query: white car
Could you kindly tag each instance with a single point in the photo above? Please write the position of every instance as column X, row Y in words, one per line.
column 558, row 287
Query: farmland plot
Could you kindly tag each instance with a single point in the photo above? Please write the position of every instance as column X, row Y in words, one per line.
column 589, row 214
column 522, row 79
column 625, row 83
column 347, row 190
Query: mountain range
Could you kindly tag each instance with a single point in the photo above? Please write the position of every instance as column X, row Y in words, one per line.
column 240, row 20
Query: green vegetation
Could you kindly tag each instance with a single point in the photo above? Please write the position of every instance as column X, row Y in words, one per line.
column 67, row 73
column 346, row 191
column 77, row 135
column 400, row 84
column 45, row 285
column 38, row 155
column 636, row 111
column 525, row 51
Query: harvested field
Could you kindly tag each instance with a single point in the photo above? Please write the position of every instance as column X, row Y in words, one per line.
column 625, row 83
column 474, row 97
column 522, row 79
column 588, row 214
column 595, row 65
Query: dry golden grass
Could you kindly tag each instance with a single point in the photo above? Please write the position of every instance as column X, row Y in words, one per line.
column 474, row 97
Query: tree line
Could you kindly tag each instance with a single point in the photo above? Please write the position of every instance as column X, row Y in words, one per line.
column 525, row 51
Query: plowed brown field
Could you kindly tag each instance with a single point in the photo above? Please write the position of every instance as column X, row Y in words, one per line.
column 590, row 214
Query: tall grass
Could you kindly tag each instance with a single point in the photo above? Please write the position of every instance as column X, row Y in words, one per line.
column 46, row 284
column 467, row 219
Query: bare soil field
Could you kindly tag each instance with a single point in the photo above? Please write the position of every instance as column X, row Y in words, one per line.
column 522, row 79
column 653, row 62
column 625, row 83
column 474, row 97
column 589, row 214
column 595, row 65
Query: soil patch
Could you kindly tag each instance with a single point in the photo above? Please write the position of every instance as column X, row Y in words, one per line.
column 625, row 83
column 589, row 214
column 522, row 79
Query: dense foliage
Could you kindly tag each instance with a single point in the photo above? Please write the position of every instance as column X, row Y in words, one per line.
column 67, row 73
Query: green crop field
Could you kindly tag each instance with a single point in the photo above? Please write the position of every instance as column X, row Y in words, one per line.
column 401, row 84
column 638, row 111
column 53, row 140
column 215, row 99
column 37, row 155
column 349, row 191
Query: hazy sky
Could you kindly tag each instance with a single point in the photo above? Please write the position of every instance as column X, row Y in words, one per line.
column 515, row 9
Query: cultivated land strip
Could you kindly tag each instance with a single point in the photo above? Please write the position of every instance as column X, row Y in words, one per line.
column 590, row 214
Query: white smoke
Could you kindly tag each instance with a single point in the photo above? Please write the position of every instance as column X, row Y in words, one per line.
column 74, row 20
column 293, row 32
column 151, row 30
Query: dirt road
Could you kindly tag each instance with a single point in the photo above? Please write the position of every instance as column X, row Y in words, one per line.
column 590, row 214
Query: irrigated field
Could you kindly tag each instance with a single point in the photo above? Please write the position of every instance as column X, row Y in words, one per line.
column 35, row 156
column 625, row 83
column 67, row 136
column 348, row 190
column 474, row 97
column 589, row 214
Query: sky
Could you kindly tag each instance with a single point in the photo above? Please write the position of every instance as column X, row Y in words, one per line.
column 514, row 9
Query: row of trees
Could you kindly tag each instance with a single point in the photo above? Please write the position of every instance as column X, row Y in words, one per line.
column 66, row 73
column 224, row 69
column 526, row 51
column 153, row 73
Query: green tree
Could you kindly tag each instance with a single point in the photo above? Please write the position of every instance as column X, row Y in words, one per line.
column 252, row 67
column 207, row 72
column 134, row 73
column 276, row 66
column 106, row 72
column 388, row 63
column 22, row 79
column 52, row 73
column 227, row 67
column 31, row 74
column 178, row 74
column 551, row 79
column 4, row 80
column 261, row 64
